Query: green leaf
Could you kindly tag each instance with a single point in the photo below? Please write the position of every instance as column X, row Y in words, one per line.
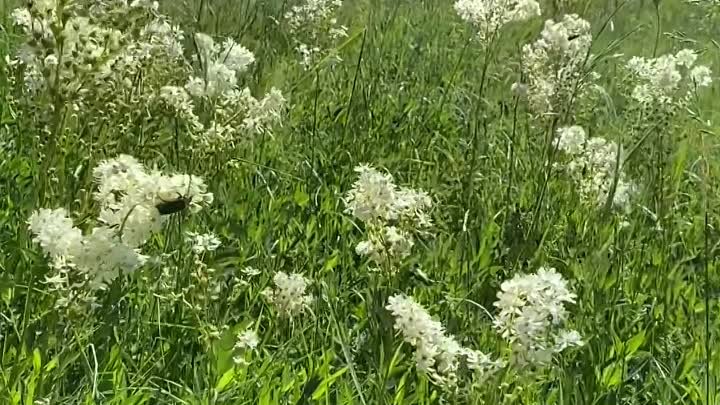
column 634, row 343
column 226, row 379
column 331, row 263
column 52, row 364
column 612, row 375
column 301, row 198
column 325, row 384
column 37, row 362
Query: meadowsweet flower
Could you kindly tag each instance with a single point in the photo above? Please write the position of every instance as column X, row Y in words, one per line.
column 177, row 98
column 489, row 16
column 220, row 64
column 128, row 197
column 160, row 38
column 532, row 309
column 250, row 271
column 314, row 29
column 289, row 296
column 412, row 205
column 55, row 232
column 311, row 13
column 136, row 222
column 686, row 57
column 593, row 164
column 202, row 242
column 571, row 140
column 555, row 64
column 247, row 340
column 567, row 338
column 103, row 256
column 374, row 196
column 262, row 114
column 371, row 249
column 389, row 245
column 436, row 353
column 391, row 214
column 662, row 81
column 235, row 56
column 236, row 112
column 399, row 243
column 701, row 76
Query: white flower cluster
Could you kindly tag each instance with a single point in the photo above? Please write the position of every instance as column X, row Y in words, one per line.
column 532, row 313
column 105, row 46
column 85, row 53
column 594, row 165
column 245, row 342
column 390, row 213
column 236, row 112
column 288, row 296
column 128, row 197
column 660, row 80
column 489, row 16
column 202, row 242
column 437, row 354
column 313, row 26
column 391, row 242
column 220, row 65
column 555, row 64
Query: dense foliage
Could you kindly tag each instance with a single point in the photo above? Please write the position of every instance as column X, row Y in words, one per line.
column 363, row 202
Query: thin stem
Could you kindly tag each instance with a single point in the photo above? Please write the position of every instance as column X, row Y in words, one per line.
column 657, row 29
column 706, row 271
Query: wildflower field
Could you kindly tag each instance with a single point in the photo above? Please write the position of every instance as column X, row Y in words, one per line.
column 211, row 202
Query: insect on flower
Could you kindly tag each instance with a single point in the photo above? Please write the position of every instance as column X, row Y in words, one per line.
column 177, row 205
column 572, row 37
column 173, row 206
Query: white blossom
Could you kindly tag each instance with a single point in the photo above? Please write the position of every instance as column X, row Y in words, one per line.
column 289, row 296
column 489, row 16
column 667, row 79
column 374, row 196
column 594, row 163
column 437, row 353
column 202, row 242
column 247, row 340
column 532, row 309
column 555, row 64
column 128, row 197
column 55, row 232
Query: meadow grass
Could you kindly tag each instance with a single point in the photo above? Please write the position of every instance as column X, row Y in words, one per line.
column 414, row 94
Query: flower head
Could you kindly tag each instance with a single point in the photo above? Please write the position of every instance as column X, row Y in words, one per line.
column 489, row 16
column 437, row 353
column 289, row 296
column 532, row 308
column 202, row 242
